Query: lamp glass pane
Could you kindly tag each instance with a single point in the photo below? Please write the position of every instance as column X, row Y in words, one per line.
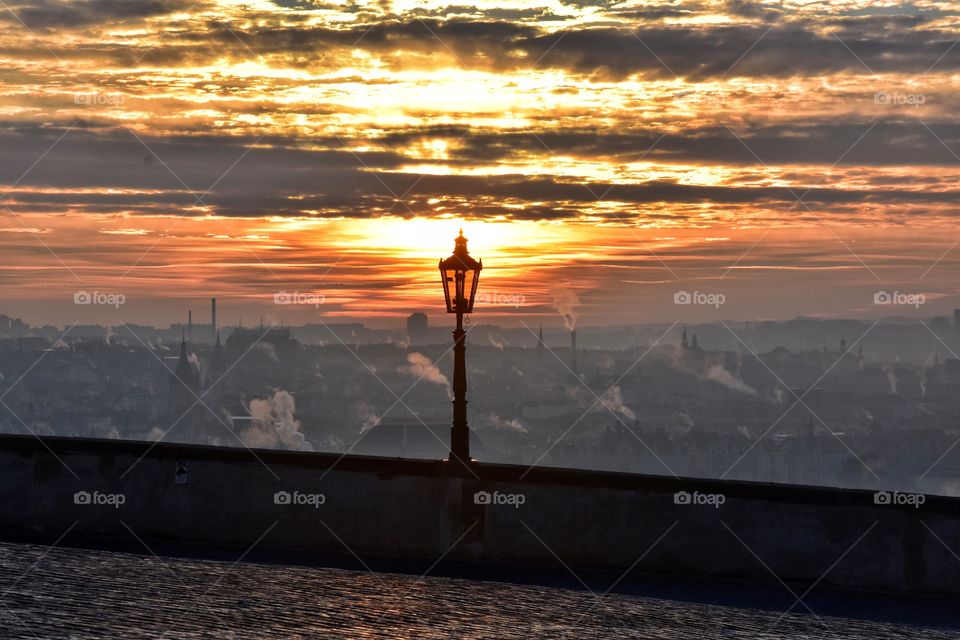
column 468, row 285
column 449, row 288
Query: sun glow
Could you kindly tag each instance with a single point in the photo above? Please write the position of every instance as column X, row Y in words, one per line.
column 421, row 237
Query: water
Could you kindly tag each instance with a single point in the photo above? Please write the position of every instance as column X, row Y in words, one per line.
column 82, row 593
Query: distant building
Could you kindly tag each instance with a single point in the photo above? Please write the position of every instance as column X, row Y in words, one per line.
column 277, row 339
column 418, row 329
column 940, row 325
column 10, row 327
column 691, row 346
column 429, row 441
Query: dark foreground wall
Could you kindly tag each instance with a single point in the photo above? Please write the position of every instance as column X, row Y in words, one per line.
column 503, row 514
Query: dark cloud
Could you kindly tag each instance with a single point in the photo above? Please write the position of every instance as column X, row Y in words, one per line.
column 166, row 176
column 861, row 142
column 42, row 15
column 621, row 41
column 749, row 9
column 884, row 44
column 305, row 5
column 630, row 41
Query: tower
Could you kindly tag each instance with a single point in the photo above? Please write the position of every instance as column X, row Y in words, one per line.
column 683, row 341
column 418, row 328
column 540, row 345
column 183, row 406
column 217, row 365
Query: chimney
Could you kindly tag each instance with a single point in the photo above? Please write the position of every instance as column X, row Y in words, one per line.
column 573, row 351
column 213, row 318
column 190, row 324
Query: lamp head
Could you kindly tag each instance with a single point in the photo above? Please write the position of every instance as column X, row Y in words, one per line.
column 460, row 275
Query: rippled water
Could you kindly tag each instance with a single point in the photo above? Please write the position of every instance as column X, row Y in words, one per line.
column 79, row 593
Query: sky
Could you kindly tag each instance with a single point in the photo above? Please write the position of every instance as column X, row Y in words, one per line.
column 759, row 160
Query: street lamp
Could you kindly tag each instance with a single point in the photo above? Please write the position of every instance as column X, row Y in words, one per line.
column 460, row 274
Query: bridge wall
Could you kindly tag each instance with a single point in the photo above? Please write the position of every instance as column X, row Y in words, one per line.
column 378, row 507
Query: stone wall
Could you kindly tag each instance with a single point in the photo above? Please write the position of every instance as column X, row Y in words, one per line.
column 379, row 507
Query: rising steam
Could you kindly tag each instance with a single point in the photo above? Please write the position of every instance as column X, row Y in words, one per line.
column 422, row 367
column 506, row 425
column 891, row 378
column 565, row 301
column 613, row 400
column 274, row 425
column 718, row 373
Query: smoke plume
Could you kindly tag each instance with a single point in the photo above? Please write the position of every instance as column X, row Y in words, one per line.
column 718, row 374
column 565, row 301
column 891, row 378
column 613, row 400
column 506, row 425
column 274, row 425
column 267, row 349
column 708, row 368
column 368, row 417
column 422, row 367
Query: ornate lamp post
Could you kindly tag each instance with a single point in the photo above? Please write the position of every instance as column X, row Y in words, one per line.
column 460, row 274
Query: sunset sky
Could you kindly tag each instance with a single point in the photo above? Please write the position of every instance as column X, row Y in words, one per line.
column 797, row 157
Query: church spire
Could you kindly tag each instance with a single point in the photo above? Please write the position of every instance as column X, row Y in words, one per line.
column 185, row 370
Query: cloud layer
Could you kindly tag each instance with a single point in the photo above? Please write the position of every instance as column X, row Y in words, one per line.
column 121, row 118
